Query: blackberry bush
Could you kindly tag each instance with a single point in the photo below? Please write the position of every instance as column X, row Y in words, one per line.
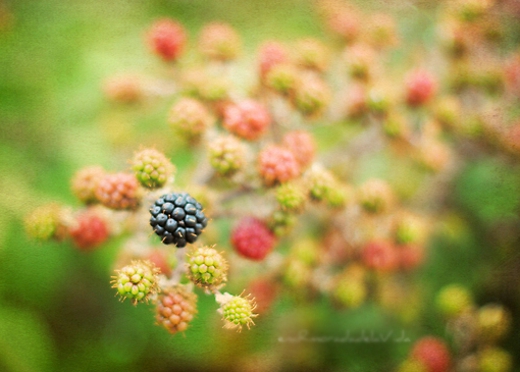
column 330, row 170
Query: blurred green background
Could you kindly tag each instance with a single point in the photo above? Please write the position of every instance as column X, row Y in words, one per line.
column 57, row 311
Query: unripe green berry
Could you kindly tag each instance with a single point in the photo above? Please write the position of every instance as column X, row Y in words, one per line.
column 494, row 359
column 291, row 197
column 207, row 268
column 376, row 196
column 454, row 299
column 338, row 195
column 152, row 169
column 410, row 229
column 189, row 119
column 45, row 222
column 350, row 290
column 227, row 155
column 312, row 96
column 137, row 281
column 493, row 323
column 282, row 78
column 297, row 274
column 236, row 311
column 319, row 181
column 412, row 365
column 281, row 222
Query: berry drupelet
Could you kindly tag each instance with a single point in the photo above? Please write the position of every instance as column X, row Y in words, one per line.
column 178, row 219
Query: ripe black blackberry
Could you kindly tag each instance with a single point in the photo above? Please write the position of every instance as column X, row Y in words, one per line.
column 178, row 219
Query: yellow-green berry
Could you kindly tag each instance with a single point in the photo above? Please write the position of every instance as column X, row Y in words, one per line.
column 227, row 155
column 207, row 268
column 376, row 196
column 236, row 311
column 454, row 299
column 152, row 169
column 494, row 359
column 137, row 281
column 45, row 222
column 493, row 322
column 189, row 119
column 291, row 197
column 412, row 365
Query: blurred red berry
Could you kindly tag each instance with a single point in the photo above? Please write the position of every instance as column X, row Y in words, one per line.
column 247, row 119
column 277, row 165
column 420, row 88
column 167, row 39
column 433, row 353
column 160, row 259
column 89, row 231
column 302, row 145
column 410, row 256
column 271, row 54
column 380, row 256
column 264, row 292
column 252, row 239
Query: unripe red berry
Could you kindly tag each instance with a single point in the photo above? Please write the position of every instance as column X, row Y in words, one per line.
column 410, row 256
column 166, row 39
column 433, row 353
column 89, row 230
column 189, row 119
column 163, row 260
column 345, row 23
column 219, row 41
column 247, row 119
column 277, row 165
column 252, row 239
column 152, row 169
column 119, row 191
column 175, row 309
column 226, row 155
column 264, row 291
column 85, row 183
column 433, row 155
column 123, row 88
column 302, row 145
column 271, row 54
column 355, row 101
column 380, row 256
column 420, row 88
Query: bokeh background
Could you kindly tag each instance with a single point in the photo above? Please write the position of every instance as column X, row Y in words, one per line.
column 57, row 311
